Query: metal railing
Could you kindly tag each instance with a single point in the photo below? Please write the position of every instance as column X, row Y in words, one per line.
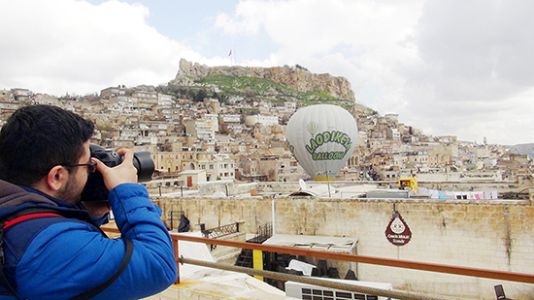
column 406, row 264
column 218, row 232
column 398, row 263
column 396, row 294
column 432, row 267
column 263, row 233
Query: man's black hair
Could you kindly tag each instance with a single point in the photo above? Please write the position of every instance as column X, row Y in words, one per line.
column 36, row 138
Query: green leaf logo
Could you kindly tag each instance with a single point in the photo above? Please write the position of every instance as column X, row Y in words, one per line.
column 312, row 127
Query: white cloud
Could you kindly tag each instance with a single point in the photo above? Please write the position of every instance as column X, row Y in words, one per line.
column 448, row 67
column 73, row 46
column 365, row 41
column 476, row 72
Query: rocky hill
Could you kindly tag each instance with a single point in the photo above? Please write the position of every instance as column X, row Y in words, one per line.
column 274, row 83
column 524, row 149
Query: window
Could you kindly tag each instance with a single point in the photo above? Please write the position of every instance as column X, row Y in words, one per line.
column 343, row 295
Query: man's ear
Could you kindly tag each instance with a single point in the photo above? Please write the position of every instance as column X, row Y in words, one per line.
column 57, row 178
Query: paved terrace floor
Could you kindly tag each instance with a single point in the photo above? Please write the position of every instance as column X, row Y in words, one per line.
column 204, row 283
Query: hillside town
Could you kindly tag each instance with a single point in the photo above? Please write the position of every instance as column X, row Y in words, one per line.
column 225, row 171
column 242, row 139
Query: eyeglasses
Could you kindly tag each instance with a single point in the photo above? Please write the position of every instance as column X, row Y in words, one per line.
column 91, row 167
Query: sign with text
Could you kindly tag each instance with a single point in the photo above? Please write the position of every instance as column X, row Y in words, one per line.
column 398, row 233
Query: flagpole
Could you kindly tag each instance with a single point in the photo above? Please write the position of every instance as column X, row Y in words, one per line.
column 232, row 57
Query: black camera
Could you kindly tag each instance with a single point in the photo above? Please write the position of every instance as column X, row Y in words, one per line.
column 95, row 190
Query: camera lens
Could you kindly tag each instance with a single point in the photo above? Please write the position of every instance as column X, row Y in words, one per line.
column 95, row 190
column 144, row 165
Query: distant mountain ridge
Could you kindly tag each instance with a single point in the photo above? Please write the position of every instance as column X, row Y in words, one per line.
column 524, row 149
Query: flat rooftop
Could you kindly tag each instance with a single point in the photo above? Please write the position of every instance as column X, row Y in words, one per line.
column 315, row 242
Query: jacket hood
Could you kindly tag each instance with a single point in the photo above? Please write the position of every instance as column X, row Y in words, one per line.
column 14, row 198
column 14, row 195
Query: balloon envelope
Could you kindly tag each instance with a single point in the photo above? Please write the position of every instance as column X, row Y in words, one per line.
column 322, row 138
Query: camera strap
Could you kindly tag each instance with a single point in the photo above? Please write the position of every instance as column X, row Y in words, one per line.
column 96, row 290
column 31, row 214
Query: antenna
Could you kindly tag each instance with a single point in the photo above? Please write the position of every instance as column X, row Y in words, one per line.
column 327, row 180
column 302, row 185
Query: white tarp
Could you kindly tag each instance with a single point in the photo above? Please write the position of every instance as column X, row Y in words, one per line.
column 298, row 265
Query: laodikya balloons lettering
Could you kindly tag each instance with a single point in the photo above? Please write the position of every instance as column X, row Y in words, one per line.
column 322, row 138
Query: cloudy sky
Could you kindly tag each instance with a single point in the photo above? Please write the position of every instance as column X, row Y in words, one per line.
column 462, row 68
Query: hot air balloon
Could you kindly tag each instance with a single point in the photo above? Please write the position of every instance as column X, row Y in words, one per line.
column 322, row 138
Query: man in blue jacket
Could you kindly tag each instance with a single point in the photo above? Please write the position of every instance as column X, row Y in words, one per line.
column 51, row 246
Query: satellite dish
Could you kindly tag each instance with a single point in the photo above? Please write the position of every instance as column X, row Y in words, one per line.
column 322, row 138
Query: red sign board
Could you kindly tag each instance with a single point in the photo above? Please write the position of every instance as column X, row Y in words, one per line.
column 398, row 233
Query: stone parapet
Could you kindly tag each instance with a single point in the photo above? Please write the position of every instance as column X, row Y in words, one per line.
column 492, row 234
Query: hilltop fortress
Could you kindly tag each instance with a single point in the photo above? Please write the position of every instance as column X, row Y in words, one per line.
column 296, row 77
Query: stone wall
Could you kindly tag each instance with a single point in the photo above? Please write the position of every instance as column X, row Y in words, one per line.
column 495, row 235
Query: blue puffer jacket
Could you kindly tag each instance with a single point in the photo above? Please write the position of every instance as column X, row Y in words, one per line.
column 59, row 258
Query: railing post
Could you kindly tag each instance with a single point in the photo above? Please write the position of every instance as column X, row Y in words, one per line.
column 176, row 258
column 257, row 262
